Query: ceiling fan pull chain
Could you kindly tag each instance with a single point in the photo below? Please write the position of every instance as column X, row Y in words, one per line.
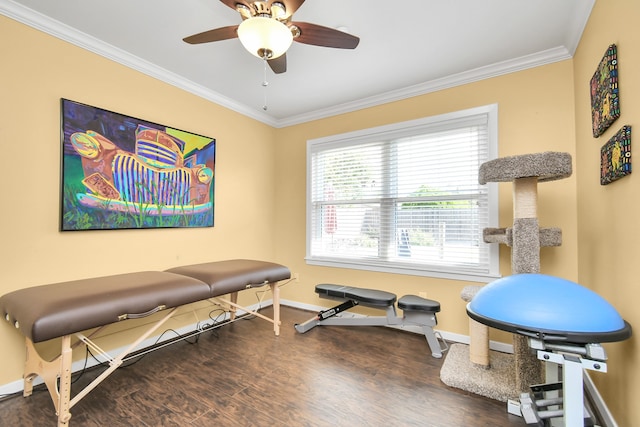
column 265, row 83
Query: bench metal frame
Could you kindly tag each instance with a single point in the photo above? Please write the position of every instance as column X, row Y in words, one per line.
column 574, row 359
column 425, row 320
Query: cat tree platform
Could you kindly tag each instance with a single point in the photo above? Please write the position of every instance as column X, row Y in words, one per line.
column 525, row 238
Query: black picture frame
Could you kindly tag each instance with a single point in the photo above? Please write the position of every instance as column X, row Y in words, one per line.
column 121, row 172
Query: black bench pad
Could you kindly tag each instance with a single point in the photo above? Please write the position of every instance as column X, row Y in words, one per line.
column 416, row 303
column 365, row 296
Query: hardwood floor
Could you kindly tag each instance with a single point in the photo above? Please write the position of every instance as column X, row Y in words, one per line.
column 241, row 375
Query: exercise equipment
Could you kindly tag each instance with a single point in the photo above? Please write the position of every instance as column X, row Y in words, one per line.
column 416, row 310
column 564, row 323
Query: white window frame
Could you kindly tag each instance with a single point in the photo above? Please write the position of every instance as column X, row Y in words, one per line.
column 399, row 130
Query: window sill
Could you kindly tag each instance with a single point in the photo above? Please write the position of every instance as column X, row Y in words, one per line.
column 462, row 275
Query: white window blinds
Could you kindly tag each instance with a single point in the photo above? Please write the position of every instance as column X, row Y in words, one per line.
column 404, row 198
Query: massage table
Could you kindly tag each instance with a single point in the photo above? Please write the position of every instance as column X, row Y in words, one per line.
column 62, row 310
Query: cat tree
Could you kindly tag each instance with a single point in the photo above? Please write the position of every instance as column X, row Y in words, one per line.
column 525, row 238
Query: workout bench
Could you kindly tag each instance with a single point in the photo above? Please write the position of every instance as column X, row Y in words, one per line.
column 417, row 311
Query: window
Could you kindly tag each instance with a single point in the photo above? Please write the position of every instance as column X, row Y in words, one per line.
column 405, row 198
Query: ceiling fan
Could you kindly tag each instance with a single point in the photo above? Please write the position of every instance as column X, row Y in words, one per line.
column 267, row 31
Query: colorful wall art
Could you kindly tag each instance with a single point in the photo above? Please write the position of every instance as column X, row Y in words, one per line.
column 615, row 157
column 120, row 172
column 605, row 96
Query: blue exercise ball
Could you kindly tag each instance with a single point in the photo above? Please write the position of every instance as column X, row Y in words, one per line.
column 548, row 308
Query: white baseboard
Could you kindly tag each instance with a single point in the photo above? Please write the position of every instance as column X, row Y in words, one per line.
column 18, row 385
column 607, row 419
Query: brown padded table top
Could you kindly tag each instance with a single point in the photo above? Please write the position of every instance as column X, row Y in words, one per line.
column 234, row 275
column 50, row 311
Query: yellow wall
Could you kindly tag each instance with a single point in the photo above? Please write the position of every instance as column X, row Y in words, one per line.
column 37, row 71
column 535, row 115
column 260, row 180
column 608, row 226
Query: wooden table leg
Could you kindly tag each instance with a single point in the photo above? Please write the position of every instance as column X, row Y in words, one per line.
column 275, row 290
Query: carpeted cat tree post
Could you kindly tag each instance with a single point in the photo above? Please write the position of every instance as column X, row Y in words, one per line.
column 475, row 368
column 525, row 237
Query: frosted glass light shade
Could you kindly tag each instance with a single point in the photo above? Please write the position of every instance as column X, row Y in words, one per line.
column 260, row 34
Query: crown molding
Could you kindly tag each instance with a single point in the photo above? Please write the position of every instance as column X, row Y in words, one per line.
column 471, row 76
column 579, row 23
column 64, row 32
column 85, row 41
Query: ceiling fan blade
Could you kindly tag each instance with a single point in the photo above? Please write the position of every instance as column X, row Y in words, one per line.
column 324, row 36
column 279, row 64
column 224, row 33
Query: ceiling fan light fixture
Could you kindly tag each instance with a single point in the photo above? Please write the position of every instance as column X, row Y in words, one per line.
column 260, row 35
column 278, row 10
column 243, row 10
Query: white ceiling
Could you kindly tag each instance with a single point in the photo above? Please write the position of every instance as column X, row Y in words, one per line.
column 406, row 48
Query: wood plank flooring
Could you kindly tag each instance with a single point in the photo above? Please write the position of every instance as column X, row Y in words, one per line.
column 242, row 375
